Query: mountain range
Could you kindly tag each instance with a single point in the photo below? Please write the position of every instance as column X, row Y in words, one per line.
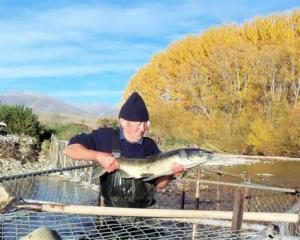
column 42, row 103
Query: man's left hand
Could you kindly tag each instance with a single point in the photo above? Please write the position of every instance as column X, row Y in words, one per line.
column 178, row 169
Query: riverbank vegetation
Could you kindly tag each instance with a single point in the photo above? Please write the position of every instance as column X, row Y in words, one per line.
column 232, row 88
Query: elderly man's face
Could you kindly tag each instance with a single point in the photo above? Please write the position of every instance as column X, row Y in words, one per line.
column 133, row 131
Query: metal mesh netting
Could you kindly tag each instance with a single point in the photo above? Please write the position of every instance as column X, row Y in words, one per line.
column 68, row 226
column 292, row 229
column 257, row 200
column 50, row 187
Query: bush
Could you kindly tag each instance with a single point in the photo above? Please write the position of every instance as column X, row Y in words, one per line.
column 21, row 120
column 65, row 131
column 108, row 122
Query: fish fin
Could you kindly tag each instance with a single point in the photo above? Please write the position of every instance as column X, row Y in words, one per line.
column 98, row 171
column 156, row 176
column 124, row 174
column 147, row 176
column 150, row 178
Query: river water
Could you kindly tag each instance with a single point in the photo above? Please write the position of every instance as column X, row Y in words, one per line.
column 274, row 173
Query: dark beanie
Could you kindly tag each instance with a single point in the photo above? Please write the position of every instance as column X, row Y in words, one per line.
column 134, row 109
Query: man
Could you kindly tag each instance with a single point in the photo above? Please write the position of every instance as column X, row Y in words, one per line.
column 131, row 143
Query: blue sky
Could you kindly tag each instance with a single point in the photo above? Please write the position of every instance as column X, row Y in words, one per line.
column 86, row 51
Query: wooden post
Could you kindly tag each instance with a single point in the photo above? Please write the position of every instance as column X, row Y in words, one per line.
column 218, row 191
column 198, row 190
column 195, row 226
column 247, row 179
column 238, row 208
column 182, row 197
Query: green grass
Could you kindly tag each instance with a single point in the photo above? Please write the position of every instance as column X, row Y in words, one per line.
column 64, row 131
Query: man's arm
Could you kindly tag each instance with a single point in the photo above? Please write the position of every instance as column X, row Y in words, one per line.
column 79, row 152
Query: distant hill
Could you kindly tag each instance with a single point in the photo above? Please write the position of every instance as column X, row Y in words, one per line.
column 41, row 103
column 101, row 110
column 50, row 117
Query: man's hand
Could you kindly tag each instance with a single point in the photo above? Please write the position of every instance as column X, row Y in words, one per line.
column 162, row 182
column 108, row 161
column 178, row 169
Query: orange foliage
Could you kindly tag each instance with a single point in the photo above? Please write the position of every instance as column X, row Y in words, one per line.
column 234, row 88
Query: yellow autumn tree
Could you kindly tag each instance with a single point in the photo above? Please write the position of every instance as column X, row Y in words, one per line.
column 232, row 88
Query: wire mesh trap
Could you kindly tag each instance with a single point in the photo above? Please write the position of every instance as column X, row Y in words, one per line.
column 53, row 186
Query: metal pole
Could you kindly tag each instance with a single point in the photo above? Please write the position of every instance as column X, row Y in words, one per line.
column 252, row 185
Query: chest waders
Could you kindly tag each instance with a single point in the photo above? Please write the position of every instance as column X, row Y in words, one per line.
column 126, row 192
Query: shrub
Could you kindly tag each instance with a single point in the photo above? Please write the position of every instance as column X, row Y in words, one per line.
column 107, row 122
column 21, row 120
column 65, row 131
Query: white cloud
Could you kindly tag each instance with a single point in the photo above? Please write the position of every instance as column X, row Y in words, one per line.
column 70, row 40
column 78, row 38
column 102, row 93
column 50, row 71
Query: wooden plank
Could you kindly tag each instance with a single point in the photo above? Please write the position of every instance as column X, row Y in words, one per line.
column 160, row 213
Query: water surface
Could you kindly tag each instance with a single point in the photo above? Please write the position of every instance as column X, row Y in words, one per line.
column 275, row 173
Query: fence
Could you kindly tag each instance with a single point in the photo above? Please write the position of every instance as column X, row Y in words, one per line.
column 60, row 160
column 47, row 187
column 202, row 189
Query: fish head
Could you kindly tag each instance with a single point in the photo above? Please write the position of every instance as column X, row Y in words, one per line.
column 190, row 157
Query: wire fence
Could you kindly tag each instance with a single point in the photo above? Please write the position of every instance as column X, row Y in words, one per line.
column 203, row 189
column 55, row 186
column 90, row 227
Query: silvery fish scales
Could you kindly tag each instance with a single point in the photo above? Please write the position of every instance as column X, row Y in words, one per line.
column 160, row 165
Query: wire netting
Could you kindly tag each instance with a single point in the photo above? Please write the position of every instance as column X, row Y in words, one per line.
column 16, row 225
column 56, row 187
column 213, row 197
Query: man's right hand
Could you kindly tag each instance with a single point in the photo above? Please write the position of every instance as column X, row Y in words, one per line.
column 108, row 162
